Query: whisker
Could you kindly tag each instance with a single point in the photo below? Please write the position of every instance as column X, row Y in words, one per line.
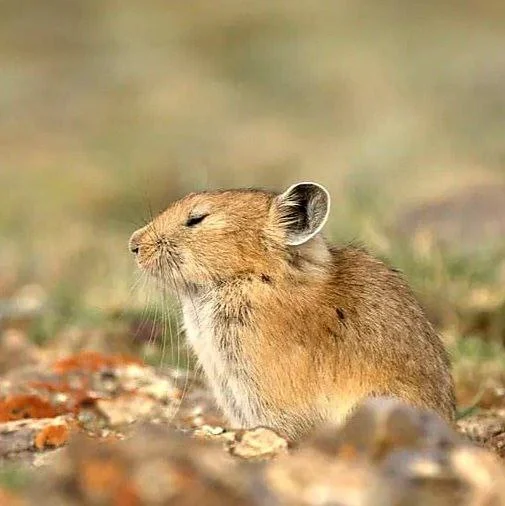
column 166, row 318
column 147, row 316
column 166, row 274
column 178, row 333
column 188, row 288
column 163, row 266
column 143, row 315
column 170, row 274
column 147, row 306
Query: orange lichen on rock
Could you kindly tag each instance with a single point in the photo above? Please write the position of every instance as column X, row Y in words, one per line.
column 51, row 387
column 19, row 407
column 93, row 361
column 52, row 436
column 77, row 396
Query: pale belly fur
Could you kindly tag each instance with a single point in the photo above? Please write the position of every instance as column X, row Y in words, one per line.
column 233, row 393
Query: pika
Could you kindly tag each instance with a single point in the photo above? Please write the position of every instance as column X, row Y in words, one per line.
column 290, row 331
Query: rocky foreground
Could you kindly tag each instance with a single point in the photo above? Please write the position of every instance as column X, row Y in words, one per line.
column 94, row 429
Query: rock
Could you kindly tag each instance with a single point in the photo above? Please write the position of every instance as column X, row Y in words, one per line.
column 398, row 454
column 386, row 453
column 259, row 443
column 126, row 409
column 382, row 425
column 211, row 430
column 483, row 427
column 33, row 434
column 497, row 444
column 423, row 477
column 215, row 433
column 310, row 478
column 465, row 221
column 483, row 473
column 156, row 466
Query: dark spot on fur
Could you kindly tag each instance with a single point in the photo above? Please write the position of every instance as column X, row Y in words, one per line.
column 340, row 314
column 266, row 279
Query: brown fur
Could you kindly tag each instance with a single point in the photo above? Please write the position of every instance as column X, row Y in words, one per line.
column 291, row 336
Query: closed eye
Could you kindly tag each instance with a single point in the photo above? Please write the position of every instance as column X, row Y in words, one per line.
column 195, row 220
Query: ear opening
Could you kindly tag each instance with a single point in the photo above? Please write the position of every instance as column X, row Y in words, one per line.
column 303, row 211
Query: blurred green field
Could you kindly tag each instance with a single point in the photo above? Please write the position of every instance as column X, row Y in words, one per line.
column 112, row 110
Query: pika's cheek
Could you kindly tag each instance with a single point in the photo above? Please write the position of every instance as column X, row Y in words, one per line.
column 193, row 265
column 190, row 262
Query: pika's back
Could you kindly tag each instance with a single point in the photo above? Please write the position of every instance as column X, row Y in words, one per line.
column 387, row 331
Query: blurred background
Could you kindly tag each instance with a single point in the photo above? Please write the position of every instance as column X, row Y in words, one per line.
column 110, row 110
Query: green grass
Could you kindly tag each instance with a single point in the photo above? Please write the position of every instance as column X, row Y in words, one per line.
column 474, row 349
column 14, row 477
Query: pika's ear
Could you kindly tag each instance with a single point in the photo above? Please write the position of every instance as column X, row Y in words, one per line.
column 302, row 211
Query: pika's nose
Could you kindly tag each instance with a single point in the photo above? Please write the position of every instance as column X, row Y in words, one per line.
column 134, row 242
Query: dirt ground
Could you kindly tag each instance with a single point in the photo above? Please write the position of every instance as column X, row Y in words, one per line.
column 101, row 429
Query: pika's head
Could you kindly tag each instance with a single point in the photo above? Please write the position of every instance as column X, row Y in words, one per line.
column 211, row 237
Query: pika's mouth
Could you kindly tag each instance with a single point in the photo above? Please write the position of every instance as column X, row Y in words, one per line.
column 149, row 250
column 158, row 262
column 159, row 258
